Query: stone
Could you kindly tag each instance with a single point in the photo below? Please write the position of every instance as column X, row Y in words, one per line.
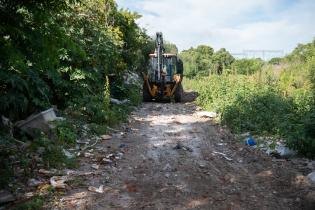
column 6, row 196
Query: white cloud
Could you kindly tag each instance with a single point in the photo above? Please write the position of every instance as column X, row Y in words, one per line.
column 234, row 24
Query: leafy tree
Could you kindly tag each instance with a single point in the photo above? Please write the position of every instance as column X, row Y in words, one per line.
column 222, row 59
column 247, row 66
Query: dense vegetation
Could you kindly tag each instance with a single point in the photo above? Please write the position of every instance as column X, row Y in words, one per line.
column 71, row 54
column 202, row 61
column 275, row 98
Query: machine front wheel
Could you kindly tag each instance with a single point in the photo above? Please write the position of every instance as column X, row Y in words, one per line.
column 179, row 92
column 146, row 94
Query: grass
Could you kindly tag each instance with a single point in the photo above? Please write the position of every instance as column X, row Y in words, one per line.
column 268, row 103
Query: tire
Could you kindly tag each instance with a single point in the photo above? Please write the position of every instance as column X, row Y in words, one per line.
column 179, row 93
column 146, row 94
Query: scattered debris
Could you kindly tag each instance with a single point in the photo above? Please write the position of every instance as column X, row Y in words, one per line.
column 119, row 102
column 100, row 189
column 131, row 78
column 106, row 137
column 250, row 141
column 224, row 155
column 59, row 181
column 34, row 182
column 88, row 155
column 6, row 196
column 107, row 160
column 311, row 177
column 123, row 145
column 29, row 195
column 201, row 165
column 207, row 114
column 95, row 166
column 47, row 172
column 167, row 167
column 179, row 145
column 285, row 151
column 39, row 121
column 67, row 153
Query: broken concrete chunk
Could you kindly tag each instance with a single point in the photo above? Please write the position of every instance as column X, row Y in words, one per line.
column 106, row 160
column 59, row 182
column 95, row 166
column 6, row 196
column 207, row 114
column 100, row 189
column 106, row 137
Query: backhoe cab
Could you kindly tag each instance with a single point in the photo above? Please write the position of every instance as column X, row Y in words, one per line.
column 164, row 76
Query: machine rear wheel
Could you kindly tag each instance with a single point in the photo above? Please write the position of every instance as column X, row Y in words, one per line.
column 146, row 94
column 179, row 93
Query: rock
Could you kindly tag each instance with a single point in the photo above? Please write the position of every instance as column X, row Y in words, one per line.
column 207, row 114
column 6, row 196
column 95, row 166
column 167, row 167
column 88, row 155
column 47, row 172
column 29, row 195
column 201, row 165
column 100, row 189
column 311, row 177
column 34, row 182
column 107, row 160
column 309, row 201
column 106, row 137
column 131, row 78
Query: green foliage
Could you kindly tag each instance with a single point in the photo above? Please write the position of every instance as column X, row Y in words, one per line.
column 202, row 61
column 37, row 202
column 170, row 48
column 197, row 61
column 222, row 59
column 274, row 100
column 106, row 94
column 66, row 132
column 54, row 51
column 247, row 66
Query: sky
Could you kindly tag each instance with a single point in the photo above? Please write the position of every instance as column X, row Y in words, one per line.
column 236, row 25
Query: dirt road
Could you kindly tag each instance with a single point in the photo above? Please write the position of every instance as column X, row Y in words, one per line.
column 169, row 158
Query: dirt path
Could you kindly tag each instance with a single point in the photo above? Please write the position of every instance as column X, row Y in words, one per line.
column 173, row 159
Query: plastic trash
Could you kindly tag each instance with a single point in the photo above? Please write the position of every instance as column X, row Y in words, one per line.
column 123, row 145
column 250, row 141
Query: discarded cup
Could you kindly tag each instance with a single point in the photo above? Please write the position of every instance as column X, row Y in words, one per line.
column 250, row 141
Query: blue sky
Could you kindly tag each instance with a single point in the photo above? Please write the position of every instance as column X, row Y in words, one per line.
column 236, row 25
